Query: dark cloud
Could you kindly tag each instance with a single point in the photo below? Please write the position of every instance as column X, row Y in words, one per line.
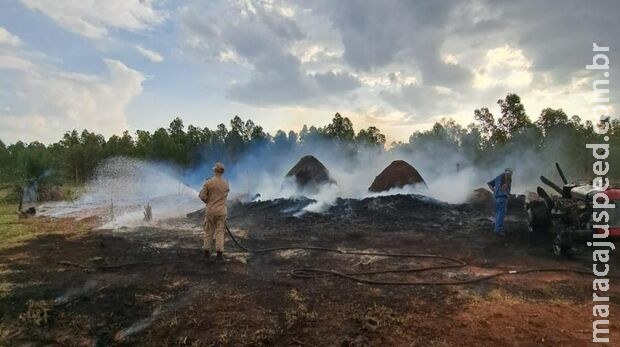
column 378, row 33
column 336, row 82
column 409, row 37
column 374, row 33
column 421, row 101
column 279, row 79
column 261, row 36
column 249, row 31
column 438, row 73
column 558, row 35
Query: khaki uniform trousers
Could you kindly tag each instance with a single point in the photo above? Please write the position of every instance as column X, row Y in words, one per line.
column 214, row 227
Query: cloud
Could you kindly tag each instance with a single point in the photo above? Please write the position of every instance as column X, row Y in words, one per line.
column 291, row 58
column 277, row 79
column 423, row 102
column 45, row 102
column 280, row 80
column 315, row 54
column 336, row 82
column 378, row 115
column 151, row 55
column 555, row 35
column 8, row 39
column 504, row 65
column 464, row 55
column 13, row 62
column 261, row 37
column 251, row 30
column 558, row 35
column 94, row 18
column 415, row 61
column 376, row 34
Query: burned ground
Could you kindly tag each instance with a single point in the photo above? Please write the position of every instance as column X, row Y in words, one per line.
column 151, row 285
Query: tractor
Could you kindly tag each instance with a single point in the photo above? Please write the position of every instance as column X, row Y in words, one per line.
column 567, row 216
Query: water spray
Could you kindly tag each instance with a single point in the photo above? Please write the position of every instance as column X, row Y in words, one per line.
column 148, row 213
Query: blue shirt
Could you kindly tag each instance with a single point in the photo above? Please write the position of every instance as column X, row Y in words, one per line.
column 497, row 183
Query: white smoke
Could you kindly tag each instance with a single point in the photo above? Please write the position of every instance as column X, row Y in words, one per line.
column 450, row 176
column 123, row 186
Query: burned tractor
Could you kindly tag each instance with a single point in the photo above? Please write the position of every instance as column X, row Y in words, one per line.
column 567, row 217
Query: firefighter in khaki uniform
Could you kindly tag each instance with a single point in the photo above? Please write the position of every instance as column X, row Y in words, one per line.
column 214, row 193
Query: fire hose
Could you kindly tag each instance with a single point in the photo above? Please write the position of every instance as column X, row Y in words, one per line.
column 313, row 273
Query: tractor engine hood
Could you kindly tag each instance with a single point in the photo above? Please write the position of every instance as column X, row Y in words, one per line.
column 583, row 193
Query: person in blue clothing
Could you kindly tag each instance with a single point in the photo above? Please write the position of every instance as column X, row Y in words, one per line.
column 500, row 186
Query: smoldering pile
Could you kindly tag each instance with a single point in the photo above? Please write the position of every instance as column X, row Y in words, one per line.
column 308, row 176
column 400, row 211
column 396, row 175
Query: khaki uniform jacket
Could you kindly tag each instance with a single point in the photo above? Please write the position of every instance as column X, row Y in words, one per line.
column 214, row 193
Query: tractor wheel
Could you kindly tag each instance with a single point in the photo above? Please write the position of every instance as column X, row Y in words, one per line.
column 561, row 246
column 538, row 217
column 557, row 245
column 539, row 222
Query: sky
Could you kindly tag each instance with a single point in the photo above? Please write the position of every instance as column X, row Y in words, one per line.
column 400, row 65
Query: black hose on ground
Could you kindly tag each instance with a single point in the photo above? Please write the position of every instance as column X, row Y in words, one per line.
column 311, row 273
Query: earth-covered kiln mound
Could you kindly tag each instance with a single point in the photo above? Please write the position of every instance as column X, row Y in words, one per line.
column 481, row 198
column 309, row 174
column 396, row 175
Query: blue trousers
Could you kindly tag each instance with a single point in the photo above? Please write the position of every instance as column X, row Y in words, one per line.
column 501, row 204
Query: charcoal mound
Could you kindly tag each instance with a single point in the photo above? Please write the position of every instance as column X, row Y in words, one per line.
column 309, row 174
column 396, row 175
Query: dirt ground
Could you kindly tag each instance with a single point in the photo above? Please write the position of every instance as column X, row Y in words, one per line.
column 151, row 285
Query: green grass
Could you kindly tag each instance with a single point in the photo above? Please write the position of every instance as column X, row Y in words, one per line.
column 11, row 230
column 14, row 231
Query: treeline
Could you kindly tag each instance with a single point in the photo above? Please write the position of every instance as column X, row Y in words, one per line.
column 77, row 154
column 492, row 139
column 75, row 157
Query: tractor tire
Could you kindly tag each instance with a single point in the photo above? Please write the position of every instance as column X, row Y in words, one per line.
column 538, row 217
column 561, row 246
